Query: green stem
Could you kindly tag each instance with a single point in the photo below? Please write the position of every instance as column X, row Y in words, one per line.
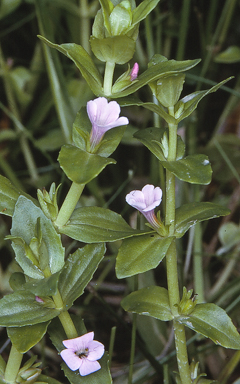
column 133, row 336
column 171, row 261
column 183, row 29
column 13, row 365
column 84, row 25
column 69, row 204
column 108, row 78
column 65, row 318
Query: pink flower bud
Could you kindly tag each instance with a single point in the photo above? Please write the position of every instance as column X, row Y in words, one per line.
column 134, row 72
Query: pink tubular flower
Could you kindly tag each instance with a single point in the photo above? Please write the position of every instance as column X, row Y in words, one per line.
column 145, row 201
column 134, row 72
column 82, row 353
column 103, row 116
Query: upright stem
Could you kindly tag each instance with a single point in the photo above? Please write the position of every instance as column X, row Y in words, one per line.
column 108, row 78
column 13, row 365
column 171, row 261
column 65, row 318
column 69, row 204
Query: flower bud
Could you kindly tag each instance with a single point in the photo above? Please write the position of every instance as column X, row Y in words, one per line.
column 48, row 201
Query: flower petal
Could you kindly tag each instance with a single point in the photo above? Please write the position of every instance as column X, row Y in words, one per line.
column 71, row 359
column 96, row 350
column 79, row 343
column 88, row 367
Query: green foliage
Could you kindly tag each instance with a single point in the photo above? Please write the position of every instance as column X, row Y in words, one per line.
column 229, row 56
column 46, row 244
column 190, row 214
column 84, row 63
column 78, row 271
column 151, row 301
column 21, row 308
column 95, row 224
column 24, row 338
column 213, row 322
column 8, row 196
column 140, row 254
column 81, row 166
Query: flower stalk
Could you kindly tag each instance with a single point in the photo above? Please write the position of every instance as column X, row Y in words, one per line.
column 69, row 204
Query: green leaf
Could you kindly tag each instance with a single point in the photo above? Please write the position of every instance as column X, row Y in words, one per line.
column 57, row 335
column 155, row 72
column 189, row 214
column 190, row 102
column 143, row 9
column 229, row 56
column 44, row 287
column 151, row 301
column 21, row 308
column 213, row 322
column 152, row 137
column 17, row 281
column 133, row 100
column 81, row 166
column 194, row 169
column 96, row 225
column 8, row 196
column 83, row 61
column 24, row 338
column 229, row 235
column 140, row 254
column 78, row 271
column 117, row 49
column 26, row 211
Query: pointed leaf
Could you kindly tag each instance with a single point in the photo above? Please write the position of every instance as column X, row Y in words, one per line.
column 151, row 301
column 83, row 61
column 190, row 214
column 21, row 308
column 229, row 56
column 81, row 166
column 191, row 101
column 213, row 322
column 27, row 211
column 78, row 271
column 151, row 138
column 194, row 169
column 143, row 9
column 8, row 196
column 132, row 100
column 140, row 254
column 155, row 72
column 57, row 335
column 24, row 338
column 96, row 225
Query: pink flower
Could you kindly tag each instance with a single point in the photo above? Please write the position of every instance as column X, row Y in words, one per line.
column 82, row 353
column 134, row 72
column 103, row 116
column 145, row 201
